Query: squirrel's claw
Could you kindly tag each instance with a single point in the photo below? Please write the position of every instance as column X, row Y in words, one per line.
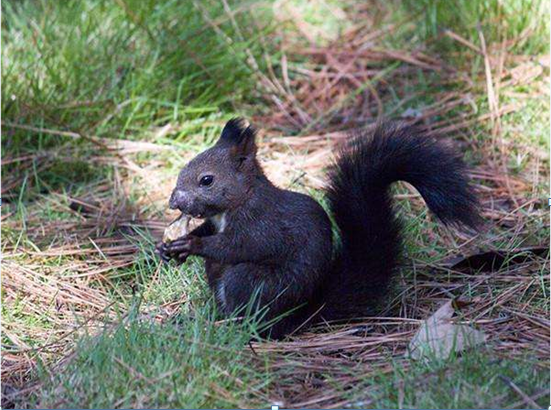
column 161, row 250
column 175, row 250
column 165, row 257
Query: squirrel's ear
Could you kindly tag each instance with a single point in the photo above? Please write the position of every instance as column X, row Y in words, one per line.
column 239, row 137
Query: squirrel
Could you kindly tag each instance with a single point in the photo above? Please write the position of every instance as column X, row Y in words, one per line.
column 262, row 241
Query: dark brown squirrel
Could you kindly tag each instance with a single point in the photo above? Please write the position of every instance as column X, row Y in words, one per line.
column 260, row 241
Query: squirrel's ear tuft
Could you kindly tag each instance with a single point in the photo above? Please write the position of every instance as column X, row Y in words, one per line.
column 239, row 136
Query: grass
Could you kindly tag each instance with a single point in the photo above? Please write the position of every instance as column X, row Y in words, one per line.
column 103, row 101
column 477, row 380
column 205, row 366
column 143, row 364
column 467, row 19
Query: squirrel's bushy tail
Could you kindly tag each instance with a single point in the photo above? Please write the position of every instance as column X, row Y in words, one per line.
column 359, row 198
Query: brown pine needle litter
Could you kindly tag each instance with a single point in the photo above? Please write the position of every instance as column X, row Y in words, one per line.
column 66, row 272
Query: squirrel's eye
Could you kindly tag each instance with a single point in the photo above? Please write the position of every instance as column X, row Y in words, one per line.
column 207, row 180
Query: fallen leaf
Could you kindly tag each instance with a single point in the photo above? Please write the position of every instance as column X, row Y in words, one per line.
column 495, row 260
column 438, row 336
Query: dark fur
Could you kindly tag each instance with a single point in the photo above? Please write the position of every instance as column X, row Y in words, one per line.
column 277, row 243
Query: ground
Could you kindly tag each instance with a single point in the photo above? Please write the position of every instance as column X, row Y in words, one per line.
column 103, row 101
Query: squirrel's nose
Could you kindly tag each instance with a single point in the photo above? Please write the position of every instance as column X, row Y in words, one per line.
column 178, row 200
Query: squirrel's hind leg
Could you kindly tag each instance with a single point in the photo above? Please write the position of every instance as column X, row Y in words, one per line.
column 263, row 287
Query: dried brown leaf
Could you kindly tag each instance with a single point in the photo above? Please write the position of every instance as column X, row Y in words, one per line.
column 439, row 337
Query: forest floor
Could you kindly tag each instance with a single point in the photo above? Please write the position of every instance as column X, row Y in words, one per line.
column 103, row 102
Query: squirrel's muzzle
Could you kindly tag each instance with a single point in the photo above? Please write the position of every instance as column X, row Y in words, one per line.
column 179, row 200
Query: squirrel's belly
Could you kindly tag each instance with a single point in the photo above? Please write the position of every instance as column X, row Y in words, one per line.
column 221, row 294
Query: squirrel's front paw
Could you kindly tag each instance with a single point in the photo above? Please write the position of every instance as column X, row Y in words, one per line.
column 162, row 249
column 187, row 244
